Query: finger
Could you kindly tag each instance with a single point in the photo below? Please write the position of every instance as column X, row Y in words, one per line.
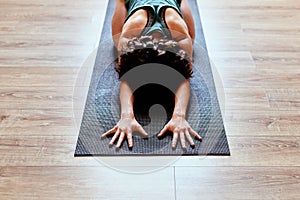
column 189, row 138
column 121, row 138
column 163, row 131
column 195, row 134
column 114, row 129
column 142, row 131
column 129, row 139
column 182, row 140
column 114, row 137
column 174, row 140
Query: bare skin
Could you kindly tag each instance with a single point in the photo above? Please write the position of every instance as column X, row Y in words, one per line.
column 127, row 124
column 182, row 31
column 178, row 123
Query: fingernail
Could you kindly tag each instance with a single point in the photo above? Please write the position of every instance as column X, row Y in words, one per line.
column 199, row 138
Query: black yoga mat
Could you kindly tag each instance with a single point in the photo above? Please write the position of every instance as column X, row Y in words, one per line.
column 102, row 109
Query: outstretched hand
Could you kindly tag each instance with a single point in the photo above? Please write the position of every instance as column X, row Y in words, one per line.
column 125, row 127
column 180, row 128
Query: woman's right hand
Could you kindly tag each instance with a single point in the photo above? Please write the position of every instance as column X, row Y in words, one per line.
column 125, row 127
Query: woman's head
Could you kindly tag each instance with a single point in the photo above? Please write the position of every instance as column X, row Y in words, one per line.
column 145, row 49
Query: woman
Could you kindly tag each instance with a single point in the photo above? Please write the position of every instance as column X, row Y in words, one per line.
column 158, row 27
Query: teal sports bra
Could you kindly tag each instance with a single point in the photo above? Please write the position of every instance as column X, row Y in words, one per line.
column 155, row 9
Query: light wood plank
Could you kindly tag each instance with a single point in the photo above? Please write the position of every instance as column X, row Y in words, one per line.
column 237, row 183
column 41, row 151
column 85, row 183
column 249, row 5
column 273, row 29
column 232, row 59
column 58, row 151
column 248, row 98
column 243, row 122
column 263, row 78
column 252, row 151
column 38, row 76
column 277, row 60
column 284, row 99
column 38, row 97
column 52, row 34
column 36, row 118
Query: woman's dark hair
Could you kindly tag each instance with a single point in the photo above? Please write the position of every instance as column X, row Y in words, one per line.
column 145, row 49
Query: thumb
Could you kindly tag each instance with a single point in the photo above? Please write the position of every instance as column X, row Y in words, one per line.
column 163, row 131
column 142, row 131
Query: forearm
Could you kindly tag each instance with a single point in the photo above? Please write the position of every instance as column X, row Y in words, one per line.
column 127, row 124
column 126, row 100
column 178, row 123
column 182, row 99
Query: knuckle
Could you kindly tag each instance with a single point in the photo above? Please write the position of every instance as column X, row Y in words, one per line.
column 122, row 129
column 177, row 129
column 138, row 126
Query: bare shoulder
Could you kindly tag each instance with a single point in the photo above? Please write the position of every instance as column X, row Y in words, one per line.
column 120, row 1
column 184, row 4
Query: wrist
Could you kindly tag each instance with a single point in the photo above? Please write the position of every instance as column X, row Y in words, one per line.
column 127, row 115
column 178, row 115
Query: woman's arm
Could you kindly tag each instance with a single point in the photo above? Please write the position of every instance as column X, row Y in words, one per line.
column 178, row 124
column 126, row 100
column 118, row 20
column 127, row 124
column 182, row 99
column 188, row 18
column 180, row 30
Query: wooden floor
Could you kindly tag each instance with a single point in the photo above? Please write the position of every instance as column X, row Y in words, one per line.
column 46, row 54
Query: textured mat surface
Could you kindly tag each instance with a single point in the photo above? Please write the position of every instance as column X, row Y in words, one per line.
column 102, row 109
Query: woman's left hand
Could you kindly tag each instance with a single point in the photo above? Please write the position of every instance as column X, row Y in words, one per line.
column 181, row 129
